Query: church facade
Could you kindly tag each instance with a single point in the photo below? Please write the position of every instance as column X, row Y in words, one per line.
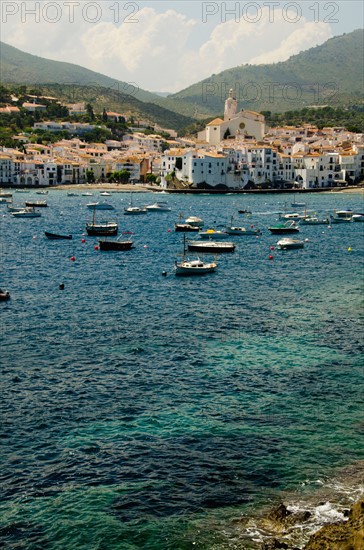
column 235, row 124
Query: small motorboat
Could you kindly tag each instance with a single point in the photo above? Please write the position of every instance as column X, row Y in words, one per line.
column 115, row 245
column 288, row 244
column 134, row 210
column 211, row 246
column 4, row 295
column 244, row 211
column 358, row 217
column 105, row 194
column 100, row 206
column 284, row 228
column 26, row 213
column 71, row 194
column 87, row 194
column 55, row 236
column 233, row 230
column 36, row 204
column 195, row 221
column 158, row 207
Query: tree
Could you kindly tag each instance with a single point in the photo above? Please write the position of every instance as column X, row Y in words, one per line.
column 90, row 176
column 104, row 115
column 90, row 111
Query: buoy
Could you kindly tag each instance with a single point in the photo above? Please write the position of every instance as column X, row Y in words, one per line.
column 349, row 249
column 272, row 247
column 145, row 246
column 307, row 240
column 164, row 273
column 83, row 240
column 34, row 237
column 73, row 258
column 61, row 286
column 169, row 230
column 96, row 247
column 271, row 257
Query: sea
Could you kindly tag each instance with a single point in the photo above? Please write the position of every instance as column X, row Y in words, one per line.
column 141, row 410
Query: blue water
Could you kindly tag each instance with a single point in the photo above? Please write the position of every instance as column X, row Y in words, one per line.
column 149, row 411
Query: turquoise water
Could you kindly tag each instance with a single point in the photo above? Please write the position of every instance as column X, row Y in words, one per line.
column 151, row 411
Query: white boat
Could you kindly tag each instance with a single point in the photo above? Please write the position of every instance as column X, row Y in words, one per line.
column 314, row 220
column 135, row 210
column 87, row 194
column 194, row 266
column 158, row 207
column 211, row 246
column 358, row 218
column 105, row 194
column 288, row 244
column 194, row 221
column 71, row 194
column 342, row 216
column 235, row 230
column 291, row 216
column 100, row 206
column 26, row 213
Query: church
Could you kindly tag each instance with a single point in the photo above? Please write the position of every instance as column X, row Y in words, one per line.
column 235, row 124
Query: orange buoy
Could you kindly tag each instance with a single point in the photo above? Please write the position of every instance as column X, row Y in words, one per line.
column 271, row 257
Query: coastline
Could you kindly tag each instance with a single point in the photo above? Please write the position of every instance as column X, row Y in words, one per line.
column 144, row 188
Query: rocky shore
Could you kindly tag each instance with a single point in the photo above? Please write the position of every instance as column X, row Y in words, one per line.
column 344, row 535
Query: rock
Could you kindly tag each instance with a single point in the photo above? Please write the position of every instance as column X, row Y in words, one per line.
column 279, row 514
column 347, row 535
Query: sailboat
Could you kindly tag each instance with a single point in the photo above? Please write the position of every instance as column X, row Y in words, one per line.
column 101, row 228
column 193, row 267
column 130, row 210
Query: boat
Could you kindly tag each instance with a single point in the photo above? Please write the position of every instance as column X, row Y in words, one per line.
column 105, row 194
column 213, row 233
column 4, row 295
column 185, row 227
column 5, row 200
column 134, row 210
column 158, row 207
column 244, row 211
column 195, row 221
column 22, row 191
column 6, row 195
column 115, row 245
column 235, row 230
column 193, row 266
column 287, row 244
column 291, row 216
column 211, row 246
column 71, row 194
column 342, row 216
column 15, row 208
column 104, row 228
column 54, row 236
column 296, row 204
column 100, row 206
column 26, row 213
column 36, row 204
column 87, row 194
column 358, row 217
column 42, row 192
column 314, row 220
column 283, row 228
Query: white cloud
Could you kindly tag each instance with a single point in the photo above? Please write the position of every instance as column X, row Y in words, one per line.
column 161, row 50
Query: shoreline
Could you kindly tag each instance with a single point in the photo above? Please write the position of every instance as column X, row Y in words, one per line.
column 144, row 188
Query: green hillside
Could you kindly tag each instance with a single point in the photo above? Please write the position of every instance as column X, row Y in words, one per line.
column 23, row 68
column 330, row 74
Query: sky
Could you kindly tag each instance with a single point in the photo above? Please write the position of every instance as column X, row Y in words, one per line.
column 167, row 46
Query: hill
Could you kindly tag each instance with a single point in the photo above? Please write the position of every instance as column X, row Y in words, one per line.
column 19, row 67
column 330, row 74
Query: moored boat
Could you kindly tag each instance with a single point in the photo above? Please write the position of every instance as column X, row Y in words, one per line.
column 103, row 228
column 284, row 228
column 211, row 246
column 185, row 227
column 193, row 266
column 314, row 220
column 213, row 234
column 100, row 206
column 37, row 204
column 26, row 213
column 194, row 221
column 55, row 236
column 4, row 295
column 115, row 245
column 158, row 207
column 287, row 244
column 358, row 218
